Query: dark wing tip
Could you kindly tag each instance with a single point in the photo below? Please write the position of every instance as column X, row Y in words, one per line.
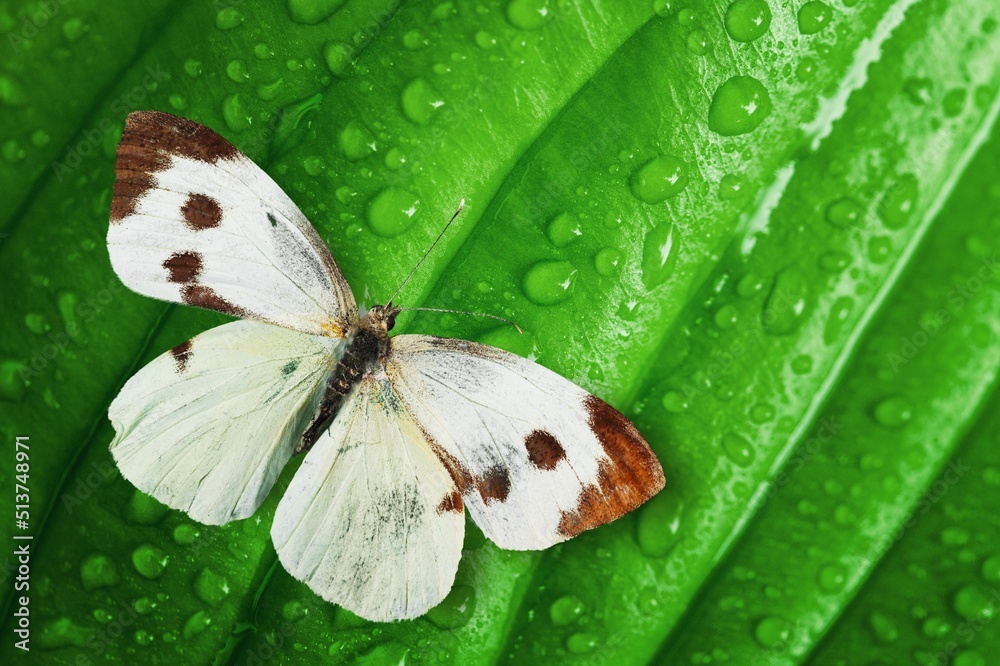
column 629, row 476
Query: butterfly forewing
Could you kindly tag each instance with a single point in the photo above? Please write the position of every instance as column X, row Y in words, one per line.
column 207, row 427
column 372, row 520
column 538, row 459
column 194, row 221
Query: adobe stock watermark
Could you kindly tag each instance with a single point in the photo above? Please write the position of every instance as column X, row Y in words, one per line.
column 94, row 136
column 37, row 18
column 929, row 325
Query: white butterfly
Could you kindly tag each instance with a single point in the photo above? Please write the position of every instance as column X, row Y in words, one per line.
column 402, row 433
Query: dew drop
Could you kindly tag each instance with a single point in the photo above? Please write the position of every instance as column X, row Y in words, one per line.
column 845, row 212
column 731, row 186
column 657, row 530
column 814, row 16
column 528, row 14
column 898, row 202
column 210, row 587
column 228, row 18
column 311, row 12
column 143, row 637
column 293, row 611
column 149, row 561
column 893, row 412
column 762, row 413
column 659, row 179
column 414, row 40
column 143, row 509
column 270, row 91
column 969, row 658
column 192, row 68
column 953, row 103
column 564, row 229
column 456, row 609
column 839, row 313
column 237, row 72
column 338, row 56
column 972, row 603
column 313, row 165
column 750, row 285
column 420, row 101
column 990, row 569
column 879, row 249
column 726, row 316
column 196, row 624
column 356, row 141
column 549, row 282
column 12, row 93
column 485, row 40
column 771, row 632
column 747, row 20
column 698, row 42
column 918, row 90
column 831, row 578
column 608, row 261
column 674, row 402
column 392, row 211
column 659, row 254
column 785, row 307
column 74, row 29
column 739, row 106
column 738, row 449
column 834, row 261
column 235, row 113
column 98, row 571
column 185, row 534
column 581, row 643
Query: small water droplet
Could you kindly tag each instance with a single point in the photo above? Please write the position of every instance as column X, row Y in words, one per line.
column 356, row 141
column 832, row 577
column 971, row 602
column 74, row 28
column 607, row 261
column 844, row 212
column 771, row 632
column 143, row 509
column 953, row 102
column 549, row 282
column 196, row 624
column 814, row 16
column 210, row 587
column 312, row 12
column 149, row 561
column 738, row 449
column 228, row 18
column 968, row 658
column 192, row 68
column 747, row 20
column 698, row 42
column 834, row 261
column 420, row 101
column 762, row 413
column 674, row 402
column 893, row 412
column 414, row 40
column 456, row 609
column 338, row 56
column 785, row 307
column 564, row 229
column 12, row 93
column 392, row 211
column 726, row 316
column 990, row 569
column 581, row 643
column 98, row 571
column 659, row 179
column 657, row 530
column 528, row 14
column 739, row 106
column 659, row 254
column 237, row 72
column 293, row 611
column 732, row 186
column 839, row 313
column 235, row 113
column 185, row 534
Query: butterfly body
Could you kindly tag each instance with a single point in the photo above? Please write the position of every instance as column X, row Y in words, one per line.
column 401, row 436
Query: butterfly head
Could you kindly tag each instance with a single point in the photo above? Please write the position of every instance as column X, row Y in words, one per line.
column 382, row 317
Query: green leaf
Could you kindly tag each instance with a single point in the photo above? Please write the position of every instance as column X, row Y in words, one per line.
column 734, row 230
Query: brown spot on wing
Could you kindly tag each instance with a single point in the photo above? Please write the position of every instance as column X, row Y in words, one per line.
column 206, row 297
column 181, row 354
column 494, row 486
column 201, row 211
column 183, row 267
column 544, row 450
column 451, row 502
column 149, row 139
column 629, row 475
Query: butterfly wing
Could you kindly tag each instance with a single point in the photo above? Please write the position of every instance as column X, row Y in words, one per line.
column 537, row 458
column 372, row 520
column 207, row 427
column 195, row 221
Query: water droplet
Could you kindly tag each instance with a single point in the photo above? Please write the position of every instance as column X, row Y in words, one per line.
column 356, row 141
column 12, row 93
column 839, row 313
column 973, row 603
column 12, row 151
column 420, row 101
column 832, row 577
column 414, row 40
column 144, row 510
column 698, row 43
column 990, row 570
column 37, row 323
column 750, row 285
column 263, row 51
column 338, row 56
column 485, row 40
column 674, row 402
column 731, row 186
column 392, row 211
column 785, row 307
column 771, row 632
column 739, row 106
column 98, row 571
column 834, row 262
column 898, row 202
column 528, row 14
column 192, row 68
column 313, row 165
column 659, row 179
column 564, row 229
column 210, row 587
column 845, row 212
column 608, row 261
column 802, row 364
column 74, row 29
column 311, row 12
column 237, row 72
column 893, row 412
column 294, row 611
column 813, row 17
column 581, row 643
column 143, row 637
column 549, row 282
column 235, row 113
column 662, row 8
column 953, row 103
column 659, row 254
column 228, row 18
column 144, row 605
column 935, row 627
column 805, row 71
column 746, row 20
column 196, row 624
column 13, row 380
column 738, row 449
column 687, row 17
column 726, row 316
column 185, row 534
column 968, row 658
column 657, row 530
column 918, row 90
column 40, row 138
column 456, row 609
column 762, row 413
column 149, row 561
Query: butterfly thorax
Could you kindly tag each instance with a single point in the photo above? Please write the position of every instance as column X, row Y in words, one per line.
column 367, row 344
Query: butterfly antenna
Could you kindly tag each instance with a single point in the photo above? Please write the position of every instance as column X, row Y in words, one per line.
column 461, row 205
column 466, row 312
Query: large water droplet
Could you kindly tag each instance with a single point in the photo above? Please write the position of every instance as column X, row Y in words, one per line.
column 659, row 179
column 564, row 229
column 456, row 609
column 581, row 643
column 420, row 101
column 549, row 282
column 566, row 610
column 771, row 631
column 746, row 20
column 196, row 624
column 13, row 380
column 12, row 93
column 235, row 113
column 814, row 16
column 657, row 530
column 738, row 449
column 98, row 571
column 608, row 261
column 311, row 12
column 356, row 141
column 149, row 561
column 739, row 106
column 338, row 56
column 392, row 211
column 528, row 14
column 785, row 307
column 659, row 254
column 228, row 18
column 210, row 587
column 971, row 602
column 143, row 509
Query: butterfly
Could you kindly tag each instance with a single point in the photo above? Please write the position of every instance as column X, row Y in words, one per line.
column 401, row 434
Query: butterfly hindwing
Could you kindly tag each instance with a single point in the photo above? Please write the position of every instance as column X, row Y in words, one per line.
column 207, row 427
column 538, row 459
column 195, row 221
column 372, row 520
